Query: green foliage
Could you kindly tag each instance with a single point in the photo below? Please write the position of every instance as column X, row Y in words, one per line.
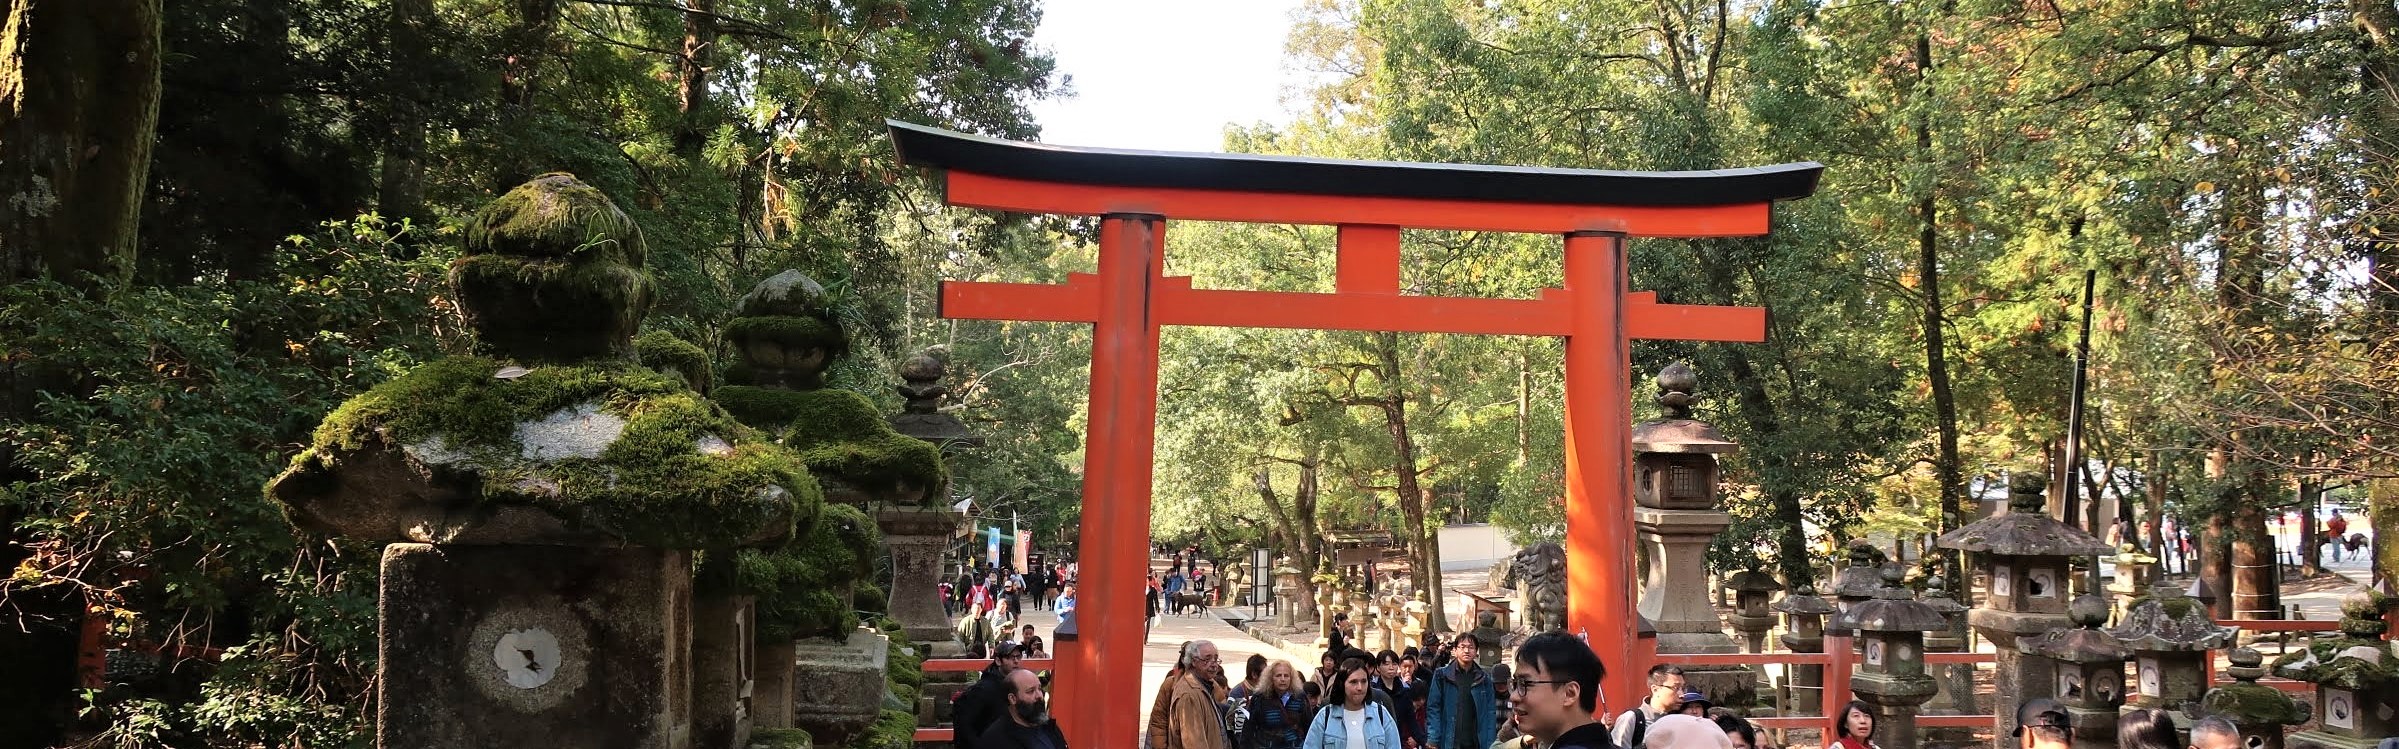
column 781, row 738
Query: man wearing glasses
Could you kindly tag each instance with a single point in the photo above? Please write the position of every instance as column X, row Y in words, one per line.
column 1555, row 690
column 1189, row 707
column 1461, row 706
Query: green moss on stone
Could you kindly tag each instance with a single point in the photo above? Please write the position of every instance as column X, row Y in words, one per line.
column 2252, row 704
column 840, row 436
column 662, row 351
column 551, row 310
column 872, row 600
column 905, row 663
column 896, row 729
column 787, row 294
column 653, row 486
column 794, row 332
column 556, row 215
column 781, row 738
column 803, row 588
column 2330, row 669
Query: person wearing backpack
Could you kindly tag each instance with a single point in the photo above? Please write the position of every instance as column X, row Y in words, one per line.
column 1355, row 720
column 1665, row 694
column 981, row 705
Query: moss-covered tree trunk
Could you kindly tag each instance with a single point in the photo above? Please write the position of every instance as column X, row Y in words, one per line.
column 79, row 84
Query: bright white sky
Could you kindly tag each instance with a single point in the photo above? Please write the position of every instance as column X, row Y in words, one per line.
column 1164, row 75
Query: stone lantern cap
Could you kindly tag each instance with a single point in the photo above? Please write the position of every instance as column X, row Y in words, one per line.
column 2359, row 659
column 2025, row 530
column 1804, row 601
column 2248, row 703
column 922, row 417
column 2128, row 555
column 2166, row 620
column 2086, row 642
column 1936, row 595
column 1892, row 609
column 1678, row 432
column 1864, row 574
column 1752, row 581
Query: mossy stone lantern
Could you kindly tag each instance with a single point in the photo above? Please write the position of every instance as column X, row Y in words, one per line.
column 541, row 501
column 2356, row 675
column 2022, row 556
column 1957, row 679
column 2090, row 667
column 1891, row 677
column 2261, row 712
column 1753, row 592
column 2171, row 638
column 1803, row 632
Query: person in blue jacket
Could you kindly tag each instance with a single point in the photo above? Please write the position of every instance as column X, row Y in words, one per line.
column 1355, row 713
column 1461, row 712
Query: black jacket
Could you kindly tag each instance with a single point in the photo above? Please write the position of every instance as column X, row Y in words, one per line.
column 976, row 709
column 1007, row 734
column 1587, row 736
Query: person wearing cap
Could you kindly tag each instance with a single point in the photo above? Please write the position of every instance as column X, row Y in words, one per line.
column 979, row 707
column 2042, row 724
column 1695, row 704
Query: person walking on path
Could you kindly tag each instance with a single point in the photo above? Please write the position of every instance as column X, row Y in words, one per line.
column 1027, row 724
column 1276, row 716
column 1185, row 716
column 1353, row 720
column 979, row 707
column 1555, row 689
column 2339, row 526
column 1463, row 713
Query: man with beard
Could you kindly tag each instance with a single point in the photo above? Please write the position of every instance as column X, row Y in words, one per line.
column 1027, row 724
column 979, row 707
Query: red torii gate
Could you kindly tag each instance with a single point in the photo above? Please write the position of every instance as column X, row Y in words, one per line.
column 1134, row 192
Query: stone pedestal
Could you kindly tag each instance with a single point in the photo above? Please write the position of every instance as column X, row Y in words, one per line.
column 488, row 646
column 1675, row 598
column 917, row 537
column 723, row 656
column 838, row 685
column 1956, row 680
column 1753, row 591
column 770, row 690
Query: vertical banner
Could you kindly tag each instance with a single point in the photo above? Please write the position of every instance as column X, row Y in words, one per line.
column 1024, row 545
column 991, row 546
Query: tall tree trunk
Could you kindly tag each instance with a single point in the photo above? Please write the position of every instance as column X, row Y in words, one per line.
column 2153, row 509
column 2256, row 589
column 1413, row 502
column 1948, row 465
column 79, row 90
column 400, row 192
column 1295, row 521
column 79, row 85
column 691, row 74
column 2215, row 562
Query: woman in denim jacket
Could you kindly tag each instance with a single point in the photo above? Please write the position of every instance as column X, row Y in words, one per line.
column 1355, row 722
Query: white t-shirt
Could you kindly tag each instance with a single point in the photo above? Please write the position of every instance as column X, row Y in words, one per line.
column 1354, row 724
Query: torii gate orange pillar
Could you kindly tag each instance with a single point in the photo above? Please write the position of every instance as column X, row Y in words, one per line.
column 1599, row 453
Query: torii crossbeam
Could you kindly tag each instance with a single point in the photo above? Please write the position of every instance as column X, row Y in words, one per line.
column 1130, row 298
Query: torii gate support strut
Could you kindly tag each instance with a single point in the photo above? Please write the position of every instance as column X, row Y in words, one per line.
column 1097, row 691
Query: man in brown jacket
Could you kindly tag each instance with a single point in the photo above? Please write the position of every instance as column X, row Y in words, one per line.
column 1184, row 716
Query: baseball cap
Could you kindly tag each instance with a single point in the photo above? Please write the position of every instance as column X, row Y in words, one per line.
column 1006, row 649
column 2042, row 712
column 1694, row 697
